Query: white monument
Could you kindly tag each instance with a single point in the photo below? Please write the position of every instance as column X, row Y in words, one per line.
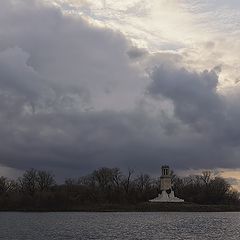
column 167, row 193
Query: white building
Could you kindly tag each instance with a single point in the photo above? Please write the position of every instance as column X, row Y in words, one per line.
column 167, row 193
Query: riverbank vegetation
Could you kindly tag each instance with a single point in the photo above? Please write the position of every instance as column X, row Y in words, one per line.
column 108, row 189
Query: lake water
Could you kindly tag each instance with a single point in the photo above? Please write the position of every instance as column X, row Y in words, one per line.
column 85, row 226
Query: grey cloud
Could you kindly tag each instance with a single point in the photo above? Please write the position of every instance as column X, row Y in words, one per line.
column 70, row 93
column 85, row 141
column 199, row 106
column 54, row 72
column 17, row 76
column 69, row 53
column 135, row 53
column 194, row 95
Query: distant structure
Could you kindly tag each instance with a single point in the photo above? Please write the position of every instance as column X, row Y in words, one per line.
column 167, row 193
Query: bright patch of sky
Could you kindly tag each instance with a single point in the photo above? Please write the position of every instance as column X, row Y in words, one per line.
column 162, row 24
column 208, row 32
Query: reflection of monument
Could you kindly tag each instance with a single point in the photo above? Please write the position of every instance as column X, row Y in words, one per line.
column 167, row 193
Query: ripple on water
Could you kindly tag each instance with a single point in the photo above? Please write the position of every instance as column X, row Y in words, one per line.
column 114, row 226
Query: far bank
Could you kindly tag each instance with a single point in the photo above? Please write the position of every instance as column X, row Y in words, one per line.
column 141, row 207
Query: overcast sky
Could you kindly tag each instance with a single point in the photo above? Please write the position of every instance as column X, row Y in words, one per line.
column 133, row 83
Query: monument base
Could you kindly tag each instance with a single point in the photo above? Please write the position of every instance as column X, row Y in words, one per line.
column 165, row 197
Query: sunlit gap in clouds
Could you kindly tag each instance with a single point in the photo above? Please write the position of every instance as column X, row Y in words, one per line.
column 200, row 31
column 159, row 21
column 156, row 25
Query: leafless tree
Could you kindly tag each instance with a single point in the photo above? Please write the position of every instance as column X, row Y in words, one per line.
column 45, row 180
column 206, row 177
column 143, row 182
column 126, row 182
column 28, row 182
column 4, row 185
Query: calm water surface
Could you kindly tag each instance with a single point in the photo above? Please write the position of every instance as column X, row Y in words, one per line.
column 84, row 226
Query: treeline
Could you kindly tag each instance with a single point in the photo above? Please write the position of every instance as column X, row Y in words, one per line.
column 39, row 190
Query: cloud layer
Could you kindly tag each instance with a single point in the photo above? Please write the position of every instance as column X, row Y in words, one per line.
column 75, row 96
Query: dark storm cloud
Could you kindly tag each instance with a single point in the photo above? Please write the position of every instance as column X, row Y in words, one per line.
column 194, row 95
column 56, row 72
column 66, row 100
column 88, row 140
column 199, row 106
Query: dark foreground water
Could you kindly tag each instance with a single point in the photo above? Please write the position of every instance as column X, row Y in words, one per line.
column 46, row 226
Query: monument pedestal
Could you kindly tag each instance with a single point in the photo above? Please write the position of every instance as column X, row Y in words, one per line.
column 165, row 197
column 166, row 187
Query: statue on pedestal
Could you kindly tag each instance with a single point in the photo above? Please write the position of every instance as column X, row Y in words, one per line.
column 167, row 193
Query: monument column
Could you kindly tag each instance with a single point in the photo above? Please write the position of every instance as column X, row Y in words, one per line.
column 167, row 193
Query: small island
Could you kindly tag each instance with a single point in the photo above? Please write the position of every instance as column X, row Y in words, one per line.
column 110, row 190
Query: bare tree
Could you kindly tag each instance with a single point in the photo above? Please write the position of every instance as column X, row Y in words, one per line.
column 117, row 177
column 71, row 182
column 104, row 177
column 4, row 185
column 88, row 181
column 218, row 189
column 28, row 182
column 126, row 182
column 143, row 182
column 45, row 180
column 206, row 177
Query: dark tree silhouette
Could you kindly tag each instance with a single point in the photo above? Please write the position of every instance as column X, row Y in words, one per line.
column 37, row 190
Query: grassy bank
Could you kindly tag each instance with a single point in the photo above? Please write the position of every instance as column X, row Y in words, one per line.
column 142, row 207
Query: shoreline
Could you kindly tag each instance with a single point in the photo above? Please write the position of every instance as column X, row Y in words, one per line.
column 142, row 207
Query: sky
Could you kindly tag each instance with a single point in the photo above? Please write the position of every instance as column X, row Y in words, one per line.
column 129, row 84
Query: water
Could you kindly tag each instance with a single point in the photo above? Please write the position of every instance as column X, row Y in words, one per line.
column 124, row 226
